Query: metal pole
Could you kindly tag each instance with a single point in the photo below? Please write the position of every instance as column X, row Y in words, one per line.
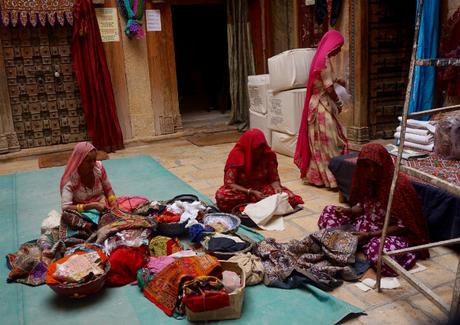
column 401, row 145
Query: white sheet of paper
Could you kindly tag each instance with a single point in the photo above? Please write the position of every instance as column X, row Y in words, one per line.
column 153, row 18
column 362, row 286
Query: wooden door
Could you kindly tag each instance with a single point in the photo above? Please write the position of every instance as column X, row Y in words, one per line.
column 44, row 95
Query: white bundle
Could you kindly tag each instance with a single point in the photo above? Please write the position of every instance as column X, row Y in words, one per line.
column 416, row 138
column 419, row 124
column 414, row 131
column 342, row 93
column 426, row 147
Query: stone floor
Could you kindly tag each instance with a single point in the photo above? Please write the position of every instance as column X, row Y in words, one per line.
column 202, row 168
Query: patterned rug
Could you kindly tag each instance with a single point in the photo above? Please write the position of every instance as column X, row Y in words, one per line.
column 448, row 170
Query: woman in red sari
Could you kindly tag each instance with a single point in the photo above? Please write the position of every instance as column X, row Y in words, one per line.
column 251, row 173
column 369, row 198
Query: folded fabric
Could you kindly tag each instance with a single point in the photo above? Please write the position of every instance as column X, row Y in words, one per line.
column 78, row 267
column 251, row 265
column 225, row 245
column 414, row 131
column 416, row 138
column 419, row 124
column 426, row 147
column 264, row 212
column 162, row 246
column 131, row 203
column 157, row 263
column 124, row 264
column 52, row 221
column 231, row 281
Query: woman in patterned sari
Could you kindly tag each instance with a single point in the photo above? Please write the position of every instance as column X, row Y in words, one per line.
column 321, row 136
column 86, row 192
column 251, row 173
column 369, row 197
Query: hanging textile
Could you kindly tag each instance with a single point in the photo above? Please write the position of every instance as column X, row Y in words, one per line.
column 36, row 11
column 449, row 47
column 240, row 60
column 93, row 77
column 421, row 97
column 133, row 10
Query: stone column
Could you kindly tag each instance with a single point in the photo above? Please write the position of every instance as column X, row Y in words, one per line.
column 8, row 139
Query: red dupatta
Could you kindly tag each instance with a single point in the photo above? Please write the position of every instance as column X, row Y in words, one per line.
column 241, row 154
column 330, row 41
column 406, row 204
column 93, row 77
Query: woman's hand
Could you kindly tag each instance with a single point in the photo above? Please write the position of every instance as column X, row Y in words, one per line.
column 342, row 210
column 259, row 195
column 341, row 82
column 277, row 187
column 99, row 206
column 362, row 236
column 357, row 209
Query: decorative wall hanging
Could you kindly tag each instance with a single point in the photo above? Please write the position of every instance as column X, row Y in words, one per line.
column 133, row 10
column 36, row 11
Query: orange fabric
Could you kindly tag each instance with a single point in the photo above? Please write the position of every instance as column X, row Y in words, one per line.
column 163, row 290
column 50, row 280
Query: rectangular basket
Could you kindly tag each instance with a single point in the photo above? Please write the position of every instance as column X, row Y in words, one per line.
column 236, row 300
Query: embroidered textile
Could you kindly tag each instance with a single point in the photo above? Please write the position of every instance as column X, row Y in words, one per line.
column 163, row 290
column 36, row 11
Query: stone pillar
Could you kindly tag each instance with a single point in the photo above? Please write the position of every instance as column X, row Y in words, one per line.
column 358, row 131
column 8, row 139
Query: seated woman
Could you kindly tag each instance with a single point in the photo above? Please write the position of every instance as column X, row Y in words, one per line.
column 86, row 192
column 251, row 173
column 369, row 197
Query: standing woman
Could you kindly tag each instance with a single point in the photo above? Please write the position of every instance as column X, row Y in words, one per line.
column 321, row 136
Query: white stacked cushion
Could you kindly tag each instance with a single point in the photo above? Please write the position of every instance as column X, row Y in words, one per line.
column 290, row 69
column 285, row 110
column 284, row 143
column 416, row 138
column 260, row 121
column 257, row 89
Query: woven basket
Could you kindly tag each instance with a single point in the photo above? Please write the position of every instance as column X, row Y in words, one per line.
column 82, row 290
column 236, row 300
column 172, row 229
column 227, row 255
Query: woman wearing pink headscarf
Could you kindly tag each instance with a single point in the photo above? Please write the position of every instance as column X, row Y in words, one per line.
column 84, row 185
column 321, row 136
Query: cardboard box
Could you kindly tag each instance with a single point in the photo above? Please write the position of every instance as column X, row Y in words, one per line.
column 285, row 111
column 257, row 89
column 290, row 69
column 260, row 121
column 284, row 144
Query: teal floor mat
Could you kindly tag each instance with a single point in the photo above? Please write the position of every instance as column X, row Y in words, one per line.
column 26, row 199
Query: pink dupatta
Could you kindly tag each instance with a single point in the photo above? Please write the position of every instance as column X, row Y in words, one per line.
column 81, row 150
column 330, row 41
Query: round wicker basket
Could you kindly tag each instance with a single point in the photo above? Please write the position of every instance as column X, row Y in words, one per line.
column 82, row 290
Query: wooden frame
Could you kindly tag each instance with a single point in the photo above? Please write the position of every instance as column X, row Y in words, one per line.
column 386, row 257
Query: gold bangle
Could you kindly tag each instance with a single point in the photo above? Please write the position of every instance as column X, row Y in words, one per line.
column 80, row 207
column 112, row 198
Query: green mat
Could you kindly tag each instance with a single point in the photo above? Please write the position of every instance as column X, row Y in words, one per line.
column 26, row 199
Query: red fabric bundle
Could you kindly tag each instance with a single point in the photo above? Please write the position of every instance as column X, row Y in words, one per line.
column 125, row 262
column 208, row 301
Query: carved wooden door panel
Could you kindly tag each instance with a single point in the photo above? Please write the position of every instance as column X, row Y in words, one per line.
column 45, row 100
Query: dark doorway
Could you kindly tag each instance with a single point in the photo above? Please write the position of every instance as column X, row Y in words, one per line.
column 200, row 42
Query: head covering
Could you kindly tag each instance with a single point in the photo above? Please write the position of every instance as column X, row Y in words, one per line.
column 242, row 153
column 331, row 41
column 81, row 150
column 406, row 204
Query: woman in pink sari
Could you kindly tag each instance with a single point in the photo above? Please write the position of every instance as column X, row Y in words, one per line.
column 86, row 193
column 321, row 136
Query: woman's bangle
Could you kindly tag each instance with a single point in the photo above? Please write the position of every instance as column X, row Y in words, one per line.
column 112, row 198
column 80, row 207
